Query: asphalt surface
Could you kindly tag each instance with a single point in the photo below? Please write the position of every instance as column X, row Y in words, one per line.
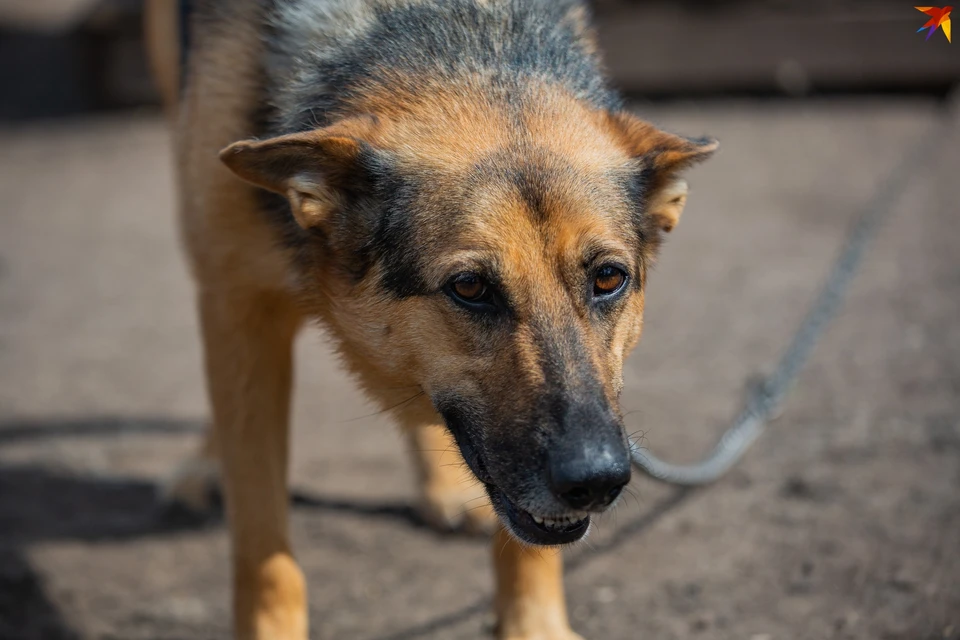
column 843, row 522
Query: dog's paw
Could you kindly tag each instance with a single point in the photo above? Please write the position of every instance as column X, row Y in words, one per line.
column 460, row 507
column 193, row 487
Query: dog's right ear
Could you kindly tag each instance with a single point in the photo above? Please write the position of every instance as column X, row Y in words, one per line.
column 662, row 157
column 309, row 168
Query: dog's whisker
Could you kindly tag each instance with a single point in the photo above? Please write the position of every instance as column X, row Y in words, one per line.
column 400, row 388
column 504, row 547
column 633, row 494
column 466, row 511
column 386, row 409
column 585, row 543
column 636, row 441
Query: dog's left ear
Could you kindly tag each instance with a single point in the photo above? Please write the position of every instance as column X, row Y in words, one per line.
column 661, row 157
column 311, row 168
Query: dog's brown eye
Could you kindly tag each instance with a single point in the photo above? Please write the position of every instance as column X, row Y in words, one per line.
column 470, row 288
column 608, row 280
column 473, row 293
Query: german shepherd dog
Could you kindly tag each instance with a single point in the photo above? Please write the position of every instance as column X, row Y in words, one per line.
column 454, row 191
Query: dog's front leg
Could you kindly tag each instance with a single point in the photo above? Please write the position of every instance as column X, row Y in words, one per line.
column 450, row 497
column 529, row 602
column 248, row 352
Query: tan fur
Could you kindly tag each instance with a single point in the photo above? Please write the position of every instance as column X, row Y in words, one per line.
column 249, row 342
column 529, row 603
column 162, row 35
column 252, row 301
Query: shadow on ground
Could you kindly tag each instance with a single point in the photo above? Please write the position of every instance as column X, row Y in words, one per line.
column 39, row 504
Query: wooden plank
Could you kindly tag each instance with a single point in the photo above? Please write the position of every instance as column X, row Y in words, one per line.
column 668, row 48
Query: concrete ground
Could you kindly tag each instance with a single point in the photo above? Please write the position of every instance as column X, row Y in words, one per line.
column 842, row 522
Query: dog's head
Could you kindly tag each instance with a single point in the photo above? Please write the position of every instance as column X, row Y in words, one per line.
column 495, row 258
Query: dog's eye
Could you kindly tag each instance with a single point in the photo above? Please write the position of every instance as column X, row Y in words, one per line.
column 470, row 288
column 608, row 281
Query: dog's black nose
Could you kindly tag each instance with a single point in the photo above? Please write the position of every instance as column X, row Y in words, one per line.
column 590, row 481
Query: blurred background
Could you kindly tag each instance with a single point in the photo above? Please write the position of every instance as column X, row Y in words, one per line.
column 842, row 522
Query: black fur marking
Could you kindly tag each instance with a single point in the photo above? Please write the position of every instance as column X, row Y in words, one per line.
column 374, row 227
column 378, row 215
column 531, row 181
column 455, row 40
column 463, row 422
column 637, row 186
column 531, row 172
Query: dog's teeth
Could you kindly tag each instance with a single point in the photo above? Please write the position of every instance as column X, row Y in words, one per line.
column 562, row 521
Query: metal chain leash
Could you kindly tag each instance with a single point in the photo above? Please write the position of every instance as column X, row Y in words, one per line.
column 764, row 398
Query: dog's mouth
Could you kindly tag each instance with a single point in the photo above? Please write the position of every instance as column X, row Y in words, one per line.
column 532, row 528
column 539, row 530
